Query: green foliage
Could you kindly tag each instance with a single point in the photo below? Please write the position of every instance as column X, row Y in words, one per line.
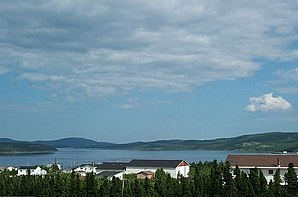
column 206, row 179
column 291, row 180
column 18, row 147
column 273, row 141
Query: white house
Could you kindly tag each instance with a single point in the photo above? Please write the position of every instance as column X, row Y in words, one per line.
column 110, row 174
column 34, row 170
column 85, row 168
column 173, row 167
column 267, row 163
column 11, row 168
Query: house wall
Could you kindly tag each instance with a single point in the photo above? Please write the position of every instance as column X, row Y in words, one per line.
column 143, row 176
column 36, row 171
column 134, row 170
column 265, row 171
column 183, row 170
column 22, row 172
column 86, row 169
column 119, row 175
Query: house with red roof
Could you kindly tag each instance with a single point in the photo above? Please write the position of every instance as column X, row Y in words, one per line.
column 268, row 163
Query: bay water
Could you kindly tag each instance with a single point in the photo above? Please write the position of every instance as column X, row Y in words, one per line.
column 70, row 157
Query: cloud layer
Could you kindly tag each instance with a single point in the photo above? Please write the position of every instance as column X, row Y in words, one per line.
column 267, row 103
column 287, row 81
column 76, row 49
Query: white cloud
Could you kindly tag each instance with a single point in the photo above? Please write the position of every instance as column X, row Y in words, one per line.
column 98, row 48
column 267, row 103
column 3, row 70
column 132, row 103
column 287, row 82
column 288, row 75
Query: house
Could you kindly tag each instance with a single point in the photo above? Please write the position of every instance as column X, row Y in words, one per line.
column 83, row 169
column 110, row 166
column 32, row 170
column 110, row 174
column 267, row 163
column 11, row 168
column 145, row 174
column 173, row 167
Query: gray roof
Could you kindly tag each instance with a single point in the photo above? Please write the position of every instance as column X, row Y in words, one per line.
column 111, row 166
column 154, row 163
column 107, row 174
column 27, row 167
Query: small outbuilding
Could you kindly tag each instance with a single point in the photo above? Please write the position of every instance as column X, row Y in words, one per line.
column 145, row 174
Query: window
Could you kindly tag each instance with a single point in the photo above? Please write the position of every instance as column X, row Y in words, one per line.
column 270, row 171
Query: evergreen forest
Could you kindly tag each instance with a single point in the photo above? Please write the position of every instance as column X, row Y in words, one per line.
column 206, row 179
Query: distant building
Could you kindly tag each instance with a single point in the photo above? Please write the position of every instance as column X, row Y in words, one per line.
column 173, row 167
column 110, row 174
column 11, row 168
column 83, row 169
column 110, row 166
column 267, row 163
column 32, row 170
column 145, row 174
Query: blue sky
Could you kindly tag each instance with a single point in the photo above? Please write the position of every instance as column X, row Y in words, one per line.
column 122, row 71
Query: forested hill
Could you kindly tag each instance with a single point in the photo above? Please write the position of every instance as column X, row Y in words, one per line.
column 9, row 146
column 272, row 142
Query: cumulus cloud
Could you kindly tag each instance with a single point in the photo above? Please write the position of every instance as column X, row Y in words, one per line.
column 99, row 48
column 267, row 103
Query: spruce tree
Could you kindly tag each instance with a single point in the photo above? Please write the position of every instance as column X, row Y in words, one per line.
column 291, row 180
column 90, row 185
column 254, row 181
column 263, row 184
column 229, row 187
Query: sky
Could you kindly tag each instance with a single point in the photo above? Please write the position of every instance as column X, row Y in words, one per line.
column 138, row 70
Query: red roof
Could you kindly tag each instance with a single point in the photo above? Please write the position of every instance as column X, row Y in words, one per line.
column 263, row 160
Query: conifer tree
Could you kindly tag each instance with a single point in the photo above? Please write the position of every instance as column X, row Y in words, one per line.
column 263, row 184
column 291, row 180
column 229, row 187
column 90, row 185
column 104, row 190
column 160, row 182
column 216, row 184
column 254, row 181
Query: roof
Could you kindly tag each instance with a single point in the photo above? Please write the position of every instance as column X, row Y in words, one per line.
column 86, row 164
column 271, row 160
column 107, row 173
column 154, row 163
column 147, row 172
column 111, row 166
column 27, row 167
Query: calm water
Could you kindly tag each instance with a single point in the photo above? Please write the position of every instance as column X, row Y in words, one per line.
column 70, row 157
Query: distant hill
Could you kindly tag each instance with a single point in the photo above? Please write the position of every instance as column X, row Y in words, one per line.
column 9, row 146
column 266, row 142
column 74, row 142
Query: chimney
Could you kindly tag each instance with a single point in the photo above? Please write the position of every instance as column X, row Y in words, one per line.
column 277, row 162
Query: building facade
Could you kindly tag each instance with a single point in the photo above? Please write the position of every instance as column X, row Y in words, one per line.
column 269, row 163
column 172, row 167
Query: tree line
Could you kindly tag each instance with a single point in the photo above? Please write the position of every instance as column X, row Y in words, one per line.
column 206, row 179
